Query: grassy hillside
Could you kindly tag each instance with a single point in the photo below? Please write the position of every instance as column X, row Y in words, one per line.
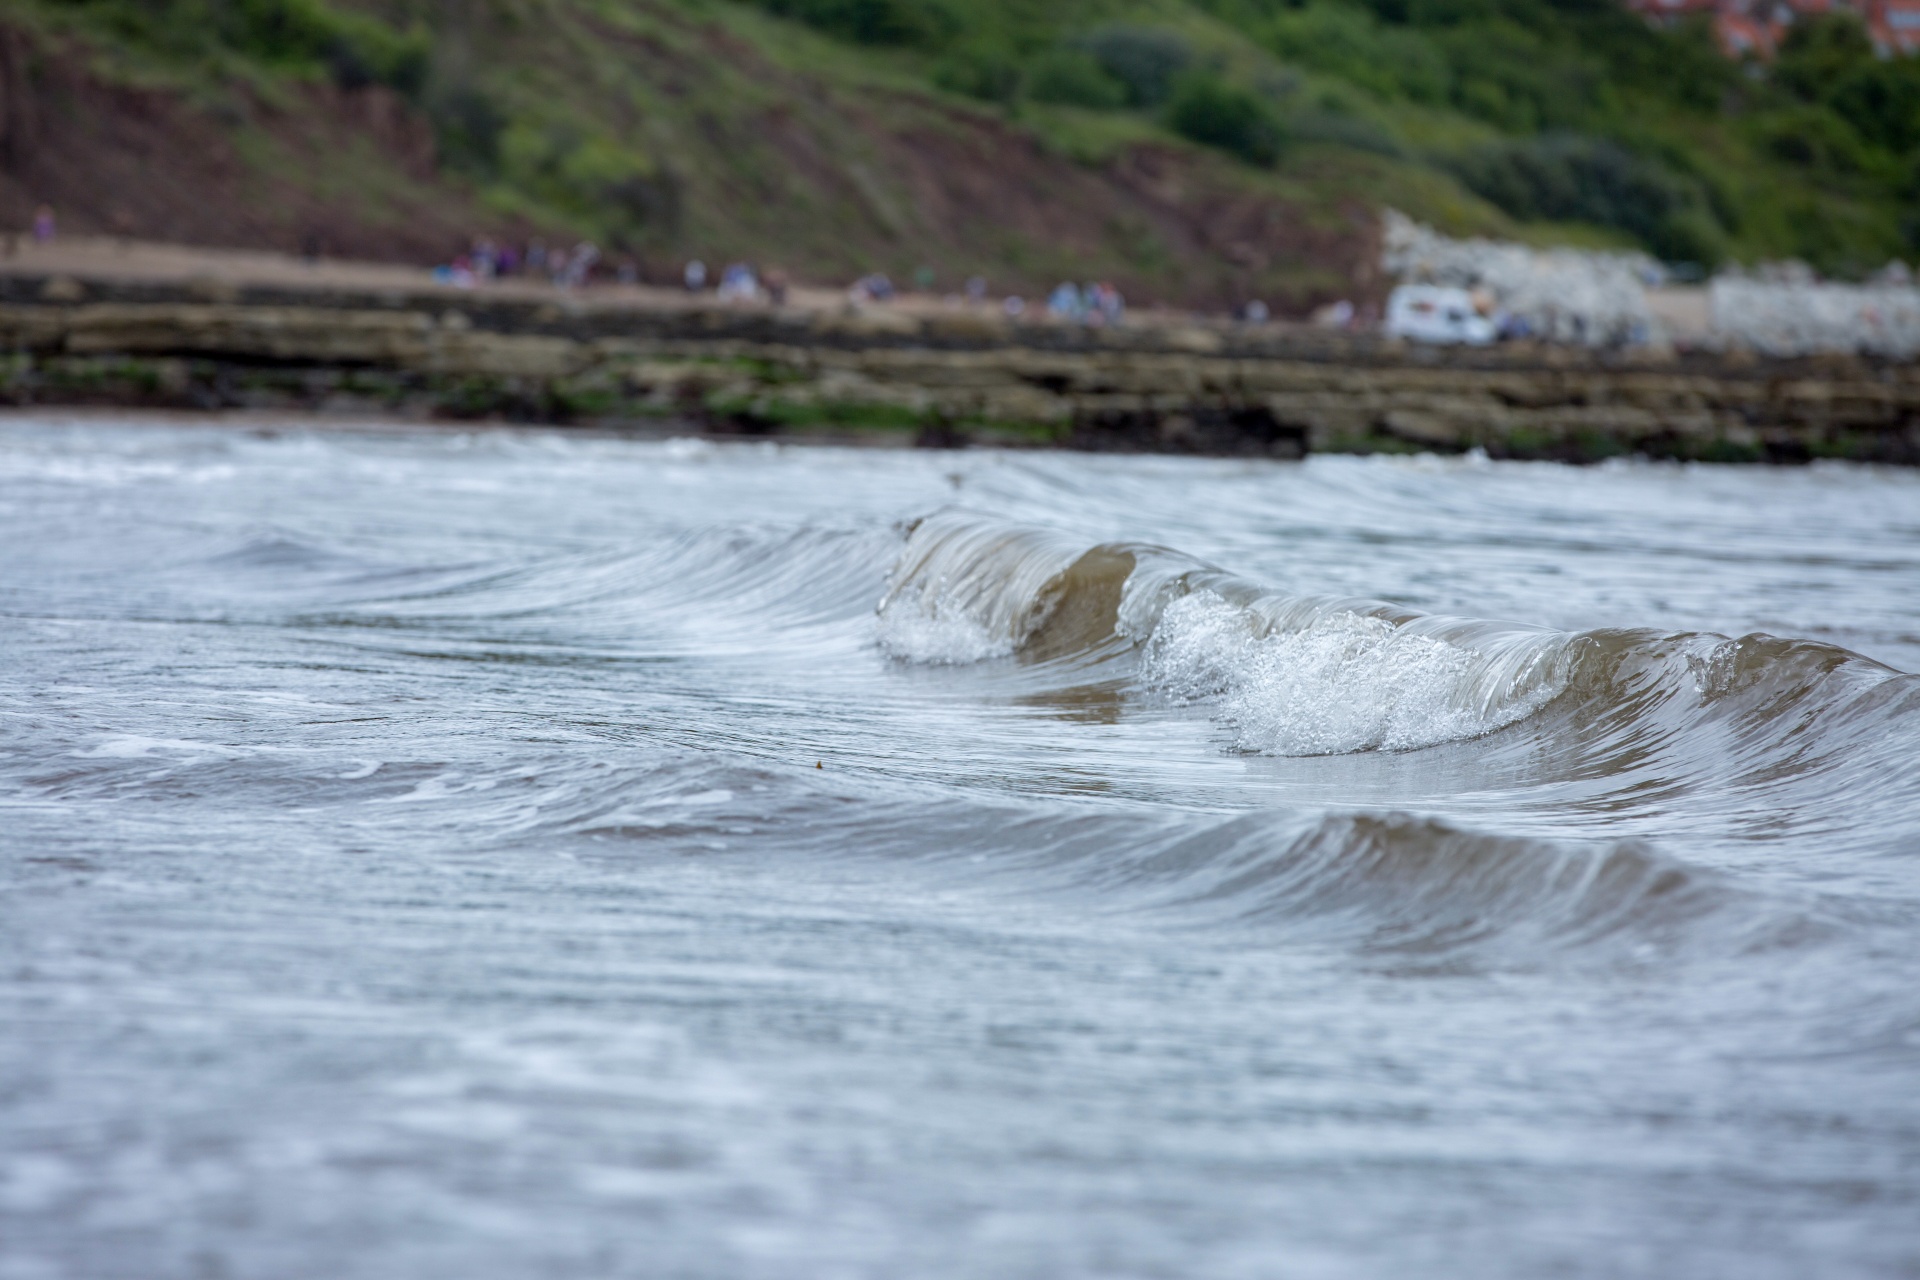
column 1200, row 151
column 1569, row 110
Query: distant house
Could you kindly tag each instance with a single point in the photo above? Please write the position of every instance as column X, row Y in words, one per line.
column 1896, row 26
column 1755, row 28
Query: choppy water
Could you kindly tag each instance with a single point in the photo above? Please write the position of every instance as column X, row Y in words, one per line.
column 501, row 856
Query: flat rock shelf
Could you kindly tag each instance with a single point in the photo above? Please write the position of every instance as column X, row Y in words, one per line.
column 940, row 377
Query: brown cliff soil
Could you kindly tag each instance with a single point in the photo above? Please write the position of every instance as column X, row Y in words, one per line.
column 825, row 182
column 347, row 173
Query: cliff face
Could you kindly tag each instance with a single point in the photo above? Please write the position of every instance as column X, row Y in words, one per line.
column 677, row 138
column 943, row 378
column 310, row 166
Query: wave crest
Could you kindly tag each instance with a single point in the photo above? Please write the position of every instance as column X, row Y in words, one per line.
column 1343, row 682
column 1289, row 675
column 965, row 591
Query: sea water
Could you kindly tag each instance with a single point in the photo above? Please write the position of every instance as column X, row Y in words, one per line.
column 508, row 854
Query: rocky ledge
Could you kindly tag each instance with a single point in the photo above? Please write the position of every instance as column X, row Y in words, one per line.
column 944, row 378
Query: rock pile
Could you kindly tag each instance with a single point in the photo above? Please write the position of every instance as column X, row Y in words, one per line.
column 1783, row 312
column 1564, row 295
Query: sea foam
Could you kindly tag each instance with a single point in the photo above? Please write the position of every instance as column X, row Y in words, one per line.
column 1345, row 682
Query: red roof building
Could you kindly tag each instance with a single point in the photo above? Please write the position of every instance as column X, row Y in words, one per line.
column 1895, row 25
column 1755, row 28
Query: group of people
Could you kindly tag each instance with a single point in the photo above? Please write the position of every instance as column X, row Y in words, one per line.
column 873, row 287
column 739, row 282
column 565, row 268
column 1090, row 304
column 1094, row 304
column 583, row 264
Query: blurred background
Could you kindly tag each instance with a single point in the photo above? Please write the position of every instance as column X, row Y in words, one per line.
column 1196, row 153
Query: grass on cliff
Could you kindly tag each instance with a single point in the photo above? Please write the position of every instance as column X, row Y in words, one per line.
column 1570, row 111
column 643, row 122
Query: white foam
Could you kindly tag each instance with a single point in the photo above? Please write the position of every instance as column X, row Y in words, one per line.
column 964, row 590
column 935, row 632
column 134, row 747
column 1345, row 682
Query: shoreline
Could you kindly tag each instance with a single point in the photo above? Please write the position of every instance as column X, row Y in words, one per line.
column 271, row 424
column 932, row 375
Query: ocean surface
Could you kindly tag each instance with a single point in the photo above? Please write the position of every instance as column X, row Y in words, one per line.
column 515, row 854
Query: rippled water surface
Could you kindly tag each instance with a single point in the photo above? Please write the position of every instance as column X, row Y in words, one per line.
column 505, row 855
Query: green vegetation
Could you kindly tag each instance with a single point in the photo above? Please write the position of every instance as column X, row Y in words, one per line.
column 641, row 122
column 876, row 22
column 284, row 35
column 1557, row 110
column 1568, row 177
column 1215, row 113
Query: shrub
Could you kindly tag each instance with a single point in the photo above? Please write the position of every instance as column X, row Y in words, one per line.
column 1349, row 42
column 1881, row 100
column 373, row 55
column 467, row 127
column 1819, row 52
column 1075, row 78
column 1144, row 60
column 1208, row 110
column 305, row 35
column 1568, row 177
column 1511, row 78
column 1813, row 138
column 881, row 22
column 982, row 74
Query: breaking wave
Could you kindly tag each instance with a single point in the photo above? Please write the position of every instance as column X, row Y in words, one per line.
column 965, row 591
column 1288, row 675
column 1343, row 681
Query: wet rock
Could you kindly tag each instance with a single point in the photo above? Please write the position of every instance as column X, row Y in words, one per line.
column 1277, row 393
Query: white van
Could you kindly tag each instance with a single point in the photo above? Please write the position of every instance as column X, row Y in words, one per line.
column 1437, row 313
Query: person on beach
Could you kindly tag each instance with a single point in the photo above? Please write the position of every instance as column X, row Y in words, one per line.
column 43, row 225
column 695, row 276
column 874, row 287
column 580, row 265
column 738, row 283
column 1335, row 315
column 1102, row 304
column 458, row 273
column 1065, row 302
